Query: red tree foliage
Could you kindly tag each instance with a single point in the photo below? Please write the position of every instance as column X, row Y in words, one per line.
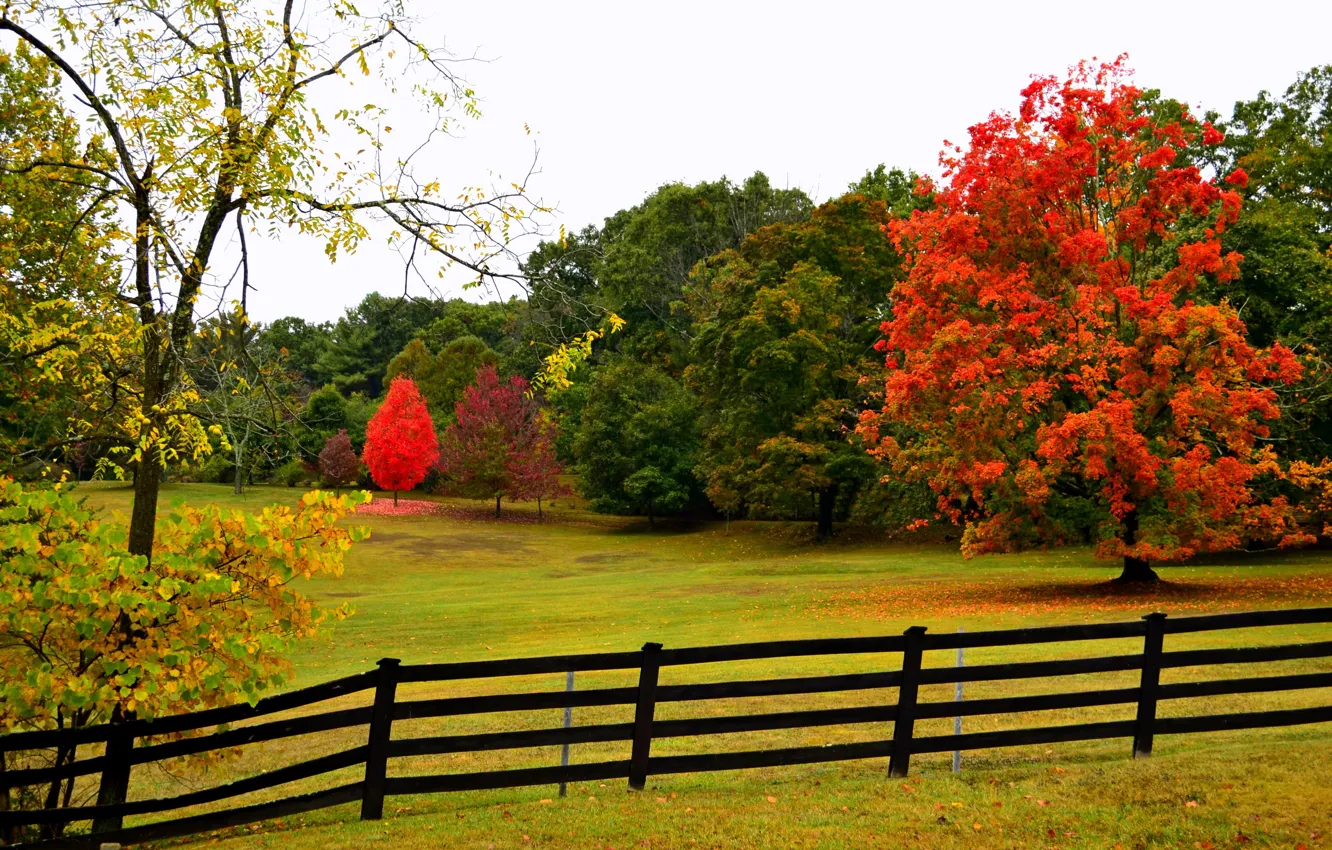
column 400, row 442
column 338, row 464
column 535, row 471
column 500, row 443
column 1046, row 369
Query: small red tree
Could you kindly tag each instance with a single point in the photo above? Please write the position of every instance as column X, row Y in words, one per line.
column 400, row 441
column 1047, row 370
column 338, row 464
column 499, row 443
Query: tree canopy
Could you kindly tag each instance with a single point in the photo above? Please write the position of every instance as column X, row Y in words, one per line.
column 638, row 442
column 1055, row 376
column 782, row 331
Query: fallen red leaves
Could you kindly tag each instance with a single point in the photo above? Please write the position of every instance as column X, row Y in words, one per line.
column 405, row 507
column 383, row 506
column 997, row 597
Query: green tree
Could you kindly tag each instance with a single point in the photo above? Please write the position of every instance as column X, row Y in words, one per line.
column 325, row 414
column 635, row 267
column 244, row 391
column 898, row 189
column 363, row 342
column 638, row 442
column 1283, row 143
column 563, row 293
column 649, row 250
column 1284, row 290
column 442, row 377
column 491, row 321
column 64, row 333
column 783, row 328
column 359, row 410
column 303, row 343
column 417, row 362
column 458, row 365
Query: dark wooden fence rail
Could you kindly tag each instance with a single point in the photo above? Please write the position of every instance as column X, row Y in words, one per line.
column 139, row 742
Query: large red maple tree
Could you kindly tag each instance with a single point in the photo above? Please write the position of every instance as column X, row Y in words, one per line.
column 400, row 442
column 1046, row 368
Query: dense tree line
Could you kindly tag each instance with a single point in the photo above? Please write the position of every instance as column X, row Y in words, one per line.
column 744, row 374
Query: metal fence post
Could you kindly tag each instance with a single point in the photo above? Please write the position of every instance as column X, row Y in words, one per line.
column 643, row 711
column 957, row 697
column 1144, row 727
column 114, row 785
column 568, row 723
column 381, row 731
column 905, row 720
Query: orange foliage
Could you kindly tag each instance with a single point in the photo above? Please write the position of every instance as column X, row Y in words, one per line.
column 1046, row 369
column 1316, row 482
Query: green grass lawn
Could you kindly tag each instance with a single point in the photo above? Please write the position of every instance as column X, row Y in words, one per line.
column 467, row 587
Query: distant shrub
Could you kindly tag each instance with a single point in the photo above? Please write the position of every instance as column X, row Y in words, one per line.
column 218, row 469
column 293, row 473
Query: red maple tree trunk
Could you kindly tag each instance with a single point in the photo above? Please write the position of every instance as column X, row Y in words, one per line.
column 1136, row 570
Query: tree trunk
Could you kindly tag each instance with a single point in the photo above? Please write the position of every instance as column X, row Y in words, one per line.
column 395, row 498
column 1136, row 570
column 497, row 503
column 540, row 515
column 827, row 501
column 69, row 783
column 54, row 830
column 652, row 520
column 239, row 487
column 148, row 470
column 143, row 517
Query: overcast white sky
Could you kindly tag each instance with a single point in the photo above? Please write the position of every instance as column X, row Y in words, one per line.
column 624, row 96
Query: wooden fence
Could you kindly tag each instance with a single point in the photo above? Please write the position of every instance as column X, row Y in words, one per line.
column 121, row 752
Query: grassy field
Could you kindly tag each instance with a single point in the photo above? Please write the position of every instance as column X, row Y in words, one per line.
column 467, row 587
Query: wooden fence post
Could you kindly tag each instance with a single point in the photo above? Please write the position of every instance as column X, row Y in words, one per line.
column 1144, row 727
column 8, row 835
column 643, row 711
column 905, row 720
column 381, row 730
column 114, row 785
column 568, row 723
column 957, row 697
